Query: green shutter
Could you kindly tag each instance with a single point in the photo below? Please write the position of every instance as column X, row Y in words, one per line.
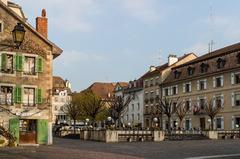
column 19, row 63
column 18, row 95
column 42, row 131
column 4, row 61
column 14, row 128
column 39, row 64
column 38, row 96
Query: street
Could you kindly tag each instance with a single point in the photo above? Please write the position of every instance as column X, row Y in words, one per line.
column 76, row 149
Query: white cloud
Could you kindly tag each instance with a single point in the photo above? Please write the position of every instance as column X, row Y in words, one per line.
column 143, row 10
column 73, row 57
column 67, row 15
column 197, row 48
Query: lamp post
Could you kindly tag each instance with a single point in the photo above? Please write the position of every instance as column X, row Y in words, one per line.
column 18, row 35
column 155, row 120
column 109, row 121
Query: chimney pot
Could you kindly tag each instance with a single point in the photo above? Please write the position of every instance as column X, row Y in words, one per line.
column 42, row 24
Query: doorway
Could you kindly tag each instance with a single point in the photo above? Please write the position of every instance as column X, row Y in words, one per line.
column 28, row 131
column 202, row 123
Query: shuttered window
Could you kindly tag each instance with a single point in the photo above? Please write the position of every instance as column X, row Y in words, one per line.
column 39, row 64
column 18, row 95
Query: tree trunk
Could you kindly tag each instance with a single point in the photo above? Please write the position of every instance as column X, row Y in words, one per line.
column 212, row 124
column 74, row 126
column 180, row 124
column 169, row 124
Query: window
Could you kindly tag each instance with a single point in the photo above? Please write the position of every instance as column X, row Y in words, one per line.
column 237, row 99
column 177, row 74
column 132, row 106
column 138, row 106
column 6, row 95
column 202, row 103
column 202, row 84
column 237, row 78
column 7, row 63
column 188, row 104
column 166, row 91
column 146, row 83
column 221, row 63
column 204, row 68
column 219, row 101
column 151, row 82
column 157, row 81
column 191, row 71
column 28, row 96
column 132, row 117
column 188, row 87
column 219, row 123
column 138, row 116
column 219, row 81
column 127, row 117
column 174, row 90
column 29, row 65
column 238, row 58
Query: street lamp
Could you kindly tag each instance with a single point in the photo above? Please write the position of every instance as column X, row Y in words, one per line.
column 155, row 120
column 18, row 34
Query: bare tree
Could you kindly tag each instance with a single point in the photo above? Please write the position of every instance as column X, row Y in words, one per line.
column 212, row 109
column 168, row 107
column 73, row 109
column 117, row 106
column 181, row 112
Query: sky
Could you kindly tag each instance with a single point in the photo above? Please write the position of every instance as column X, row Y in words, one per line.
column 117, row 40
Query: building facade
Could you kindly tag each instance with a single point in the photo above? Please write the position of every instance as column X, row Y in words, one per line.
column 26, row 78
column 60, row 98
column 213, row 77
column 152, row 86
column 133, row 113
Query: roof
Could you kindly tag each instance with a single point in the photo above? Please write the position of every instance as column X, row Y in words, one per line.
column 59, row 84
column 161, row 68
column 55, row 49
column 103, row 90
column 213, row 54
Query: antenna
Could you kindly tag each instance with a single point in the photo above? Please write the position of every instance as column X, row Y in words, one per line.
column 211, row 19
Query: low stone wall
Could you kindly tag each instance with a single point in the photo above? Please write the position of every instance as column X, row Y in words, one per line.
column 114, row 136
column 211, row 134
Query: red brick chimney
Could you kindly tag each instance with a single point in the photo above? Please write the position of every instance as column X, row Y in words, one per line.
column 42, row 24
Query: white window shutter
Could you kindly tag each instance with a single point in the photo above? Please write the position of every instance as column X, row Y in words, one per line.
column 233, row 99
column 214, row 101
column 233, row 122
column 164, row 124
column 184, row 124
column 222, row 123
column 222, row 81
column 198, row 102
column 184, row 90
column 170, row 90
column 205, row 84
column 177, row 89
column 198, row 85
column 164, row 92
column 214, row 82
column 190, row 86
column 232, row 78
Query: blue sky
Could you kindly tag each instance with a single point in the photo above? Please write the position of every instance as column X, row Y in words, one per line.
column 117, row 40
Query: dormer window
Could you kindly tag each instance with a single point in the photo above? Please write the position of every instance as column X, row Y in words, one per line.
column 177, row 74
column 238, row 58
column 204, row 67
column 221, row 63
column 191, row 71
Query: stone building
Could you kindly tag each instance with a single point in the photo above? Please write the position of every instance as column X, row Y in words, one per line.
column 214, row 77
column 60, row 98
column 152, row 81
column 133, row 113
column 26, row 77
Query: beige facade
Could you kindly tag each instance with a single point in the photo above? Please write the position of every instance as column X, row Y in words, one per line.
column 152, row 88
column 212, row 78
column 25, row 81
